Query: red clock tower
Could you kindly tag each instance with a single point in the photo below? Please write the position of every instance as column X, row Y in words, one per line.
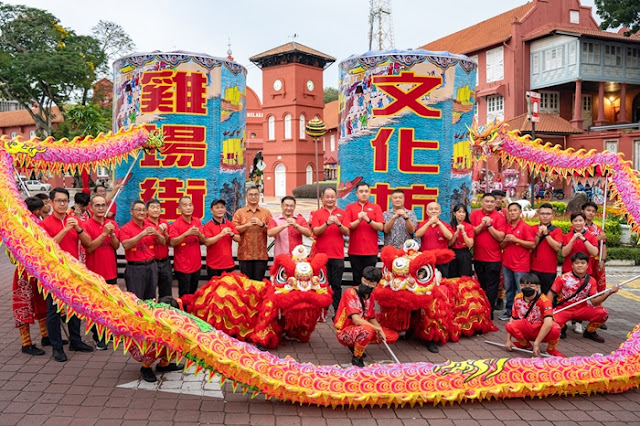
column 292, row 94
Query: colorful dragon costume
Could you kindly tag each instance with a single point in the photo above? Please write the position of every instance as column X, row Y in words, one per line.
column 414, row 297
column 260, row 311
column 130, row 322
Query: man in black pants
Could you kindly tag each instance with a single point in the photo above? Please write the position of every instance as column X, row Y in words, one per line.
column 165, row 272
column 139, row 238
column 66, row 231
column 365, row 221
column 186, row 236
column 489, row 227
column 328, row 227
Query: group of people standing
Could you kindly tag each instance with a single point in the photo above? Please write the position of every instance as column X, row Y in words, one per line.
column 502, row 243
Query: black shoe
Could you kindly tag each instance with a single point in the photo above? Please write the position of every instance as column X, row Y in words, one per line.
column 604, row 327
column 593, row 336
column 46, row 342
column 169, row 367
column 563, row 332
column 351, row 350
column 32, row 350
column 431, row 346
column 80, row 347
column 147, row 374
column 59, row 356
column 101, row 345
column 357, row 361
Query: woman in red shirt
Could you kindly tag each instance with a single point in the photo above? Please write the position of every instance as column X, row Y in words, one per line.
column 578, row 240
column 461, row 242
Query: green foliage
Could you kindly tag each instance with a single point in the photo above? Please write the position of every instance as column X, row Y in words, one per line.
column 619, row 13
column 330, row 95
column 114, row 41
column 624, row 253
column 612, row 228
column 565, row 225
column 84, row 120
column 310, row 191
column 42, row 62
column 558, row 206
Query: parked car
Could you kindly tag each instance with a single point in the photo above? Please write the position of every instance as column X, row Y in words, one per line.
column 36, row 185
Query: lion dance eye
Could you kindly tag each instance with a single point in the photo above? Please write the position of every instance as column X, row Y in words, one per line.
column 424, row 274
column 401, row 266
column 281, row 276
column 322, row 279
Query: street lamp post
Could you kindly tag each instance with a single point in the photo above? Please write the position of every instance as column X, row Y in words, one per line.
column 316, row 129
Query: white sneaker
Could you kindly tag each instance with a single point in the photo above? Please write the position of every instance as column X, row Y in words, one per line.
column 578, row 328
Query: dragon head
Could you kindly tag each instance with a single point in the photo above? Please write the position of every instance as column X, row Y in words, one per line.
column 409, row 269
column 299, row 272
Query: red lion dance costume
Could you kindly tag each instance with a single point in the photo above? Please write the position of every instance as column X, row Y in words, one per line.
column 413, row 296
column 260, row 311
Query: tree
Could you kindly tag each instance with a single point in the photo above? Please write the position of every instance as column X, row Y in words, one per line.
column 619, row 13
column 330, row 95
column 42, row 63
column 114, row 42
column 83, row 120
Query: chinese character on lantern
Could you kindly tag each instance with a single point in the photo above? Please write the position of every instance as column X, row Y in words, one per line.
column 173, row 92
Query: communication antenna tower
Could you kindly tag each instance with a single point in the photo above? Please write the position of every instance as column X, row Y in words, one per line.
column 380, row 25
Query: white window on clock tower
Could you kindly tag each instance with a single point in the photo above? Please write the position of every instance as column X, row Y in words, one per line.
column 303, row 128
column 287, row 126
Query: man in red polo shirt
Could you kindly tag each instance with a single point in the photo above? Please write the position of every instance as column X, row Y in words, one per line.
column 488, row 226
column 435, row 234
column 516, row 255
column 165, row 274
column 102, row 191
column 218, row 235
column 101, row 250
column 575, row 286
column 186, row 237
column 544, row 257
column 590, row 209
column 287, row 228
column 139, row 239
column 65, row 230
column 365, row 221
column 330, row 226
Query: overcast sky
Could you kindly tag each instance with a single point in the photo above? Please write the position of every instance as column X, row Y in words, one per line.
column 336, row 27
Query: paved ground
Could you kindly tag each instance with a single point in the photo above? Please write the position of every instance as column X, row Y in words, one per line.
column 104, row 387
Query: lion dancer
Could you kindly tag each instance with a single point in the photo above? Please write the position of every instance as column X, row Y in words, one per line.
column 29, row 305
column 356, row 323
column 303, row 297
column 532, row 319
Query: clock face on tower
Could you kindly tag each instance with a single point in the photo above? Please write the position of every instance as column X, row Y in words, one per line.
column 277, row 85
column 310, row 85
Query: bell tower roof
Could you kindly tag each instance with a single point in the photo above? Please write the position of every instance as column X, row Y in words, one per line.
column 292, row 53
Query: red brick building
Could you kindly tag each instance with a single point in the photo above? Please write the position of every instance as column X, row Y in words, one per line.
column 292, row 94
column 587, row 77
